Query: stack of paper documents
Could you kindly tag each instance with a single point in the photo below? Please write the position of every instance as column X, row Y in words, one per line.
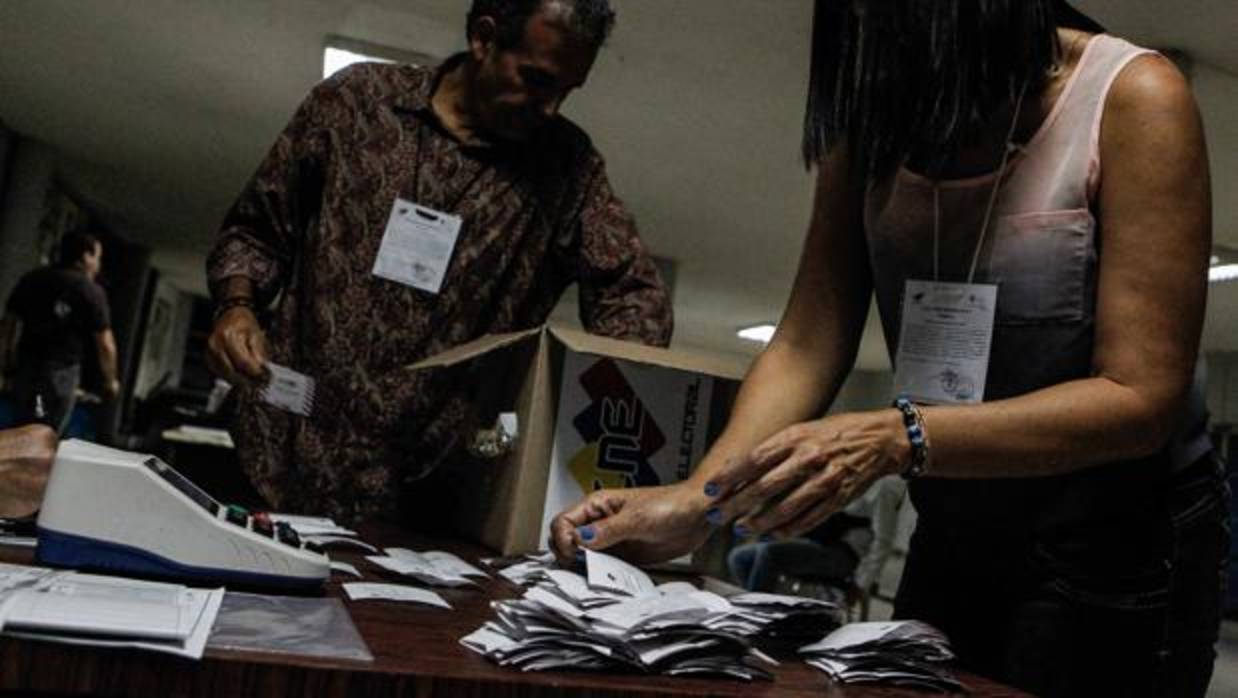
column 323, row 532
column 906, row 653
column 433, row 567
column 107, row 611
column 312, row 525
column 790, row 618
column 616, row 618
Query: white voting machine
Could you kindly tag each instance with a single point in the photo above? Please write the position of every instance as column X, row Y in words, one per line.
column 123, row 512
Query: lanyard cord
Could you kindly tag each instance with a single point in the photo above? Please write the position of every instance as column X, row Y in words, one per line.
column 1008, row 148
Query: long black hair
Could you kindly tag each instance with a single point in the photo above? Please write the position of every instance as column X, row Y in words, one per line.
column 889, row 76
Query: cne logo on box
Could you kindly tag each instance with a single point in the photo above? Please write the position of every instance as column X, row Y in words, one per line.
column 620, row 435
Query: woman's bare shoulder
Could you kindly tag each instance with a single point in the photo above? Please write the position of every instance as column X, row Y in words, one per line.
column 1150, row 87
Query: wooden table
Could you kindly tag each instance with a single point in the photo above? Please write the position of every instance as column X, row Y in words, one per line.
column 416, row 653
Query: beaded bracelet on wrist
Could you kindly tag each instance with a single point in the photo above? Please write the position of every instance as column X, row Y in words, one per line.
column 913, row 422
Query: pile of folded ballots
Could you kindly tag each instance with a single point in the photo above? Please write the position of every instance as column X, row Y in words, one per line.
column 904, row 653
column 615, row 618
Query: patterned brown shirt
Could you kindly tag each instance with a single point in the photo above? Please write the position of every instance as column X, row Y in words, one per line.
column 537, row 217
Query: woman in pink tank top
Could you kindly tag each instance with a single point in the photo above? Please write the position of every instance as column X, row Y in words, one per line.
column 1028, row 200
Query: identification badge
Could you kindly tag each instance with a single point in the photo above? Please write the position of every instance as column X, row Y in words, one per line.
column 944, row 341
column 417, row 246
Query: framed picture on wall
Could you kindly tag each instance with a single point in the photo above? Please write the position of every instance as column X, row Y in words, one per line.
column 61, row 214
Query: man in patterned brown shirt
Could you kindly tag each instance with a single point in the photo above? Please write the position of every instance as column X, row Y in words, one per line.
column 480, row 138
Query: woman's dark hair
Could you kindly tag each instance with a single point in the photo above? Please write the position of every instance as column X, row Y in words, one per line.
column 889, row 76
column 591, row 20
column 1069, row 17
column 74, row 246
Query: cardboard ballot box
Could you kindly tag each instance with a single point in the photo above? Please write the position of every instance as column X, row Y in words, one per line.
column 592, row 412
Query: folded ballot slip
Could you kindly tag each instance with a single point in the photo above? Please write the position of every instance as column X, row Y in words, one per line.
column 288, row 390
column 364, row 591
column 615, row 618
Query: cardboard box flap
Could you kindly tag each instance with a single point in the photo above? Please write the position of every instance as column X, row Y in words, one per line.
column 471, row 350
column 697, row 362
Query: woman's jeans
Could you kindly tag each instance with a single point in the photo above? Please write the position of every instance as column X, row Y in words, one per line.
column 1089, row 623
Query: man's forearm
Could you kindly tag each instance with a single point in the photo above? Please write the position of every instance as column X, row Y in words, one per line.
column 245, row 264
column 106, row 344
column 635, row 308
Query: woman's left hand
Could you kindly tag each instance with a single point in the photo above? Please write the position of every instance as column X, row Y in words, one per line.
column 795, row 479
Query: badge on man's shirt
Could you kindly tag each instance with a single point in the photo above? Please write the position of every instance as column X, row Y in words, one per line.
column 417, row 246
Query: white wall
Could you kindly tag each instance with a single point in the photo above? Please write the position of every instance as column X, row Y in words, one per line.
column 1223, row 387
column 32, row 168
column 167, row 331
column 1217, row 94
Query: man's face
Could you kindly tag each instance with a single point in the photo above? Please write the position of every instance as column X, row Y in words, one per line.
column 92, row 261
column 519, row 90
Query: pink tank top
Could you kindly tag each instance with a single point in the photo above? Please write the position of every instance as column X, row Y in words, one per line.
column 1041, row 248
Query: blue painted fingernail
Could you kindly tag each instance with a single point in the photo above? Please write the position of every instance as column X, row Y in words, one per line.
column 711, row 489
column 741, row 530
column 714, row 516
column 766, row 538
column 586, row 533
column 580, row 556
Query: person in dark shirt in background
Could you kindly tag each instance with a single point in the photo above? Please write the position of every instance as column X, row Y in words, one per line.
column 404, row 211
column 56, row 316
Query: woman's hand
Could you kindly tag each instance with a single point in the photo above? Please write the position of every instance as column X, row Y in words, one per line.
column 642, row 525
column 795, row 479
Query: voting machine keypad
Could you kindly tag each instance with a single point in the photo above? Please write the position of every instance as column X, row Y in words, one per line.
column 260, row 522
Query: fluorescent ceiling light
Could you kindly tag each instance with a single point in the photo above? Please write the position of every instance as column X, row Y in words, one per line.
column 758, row 333
column 1223, row 272
column 339, row 53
